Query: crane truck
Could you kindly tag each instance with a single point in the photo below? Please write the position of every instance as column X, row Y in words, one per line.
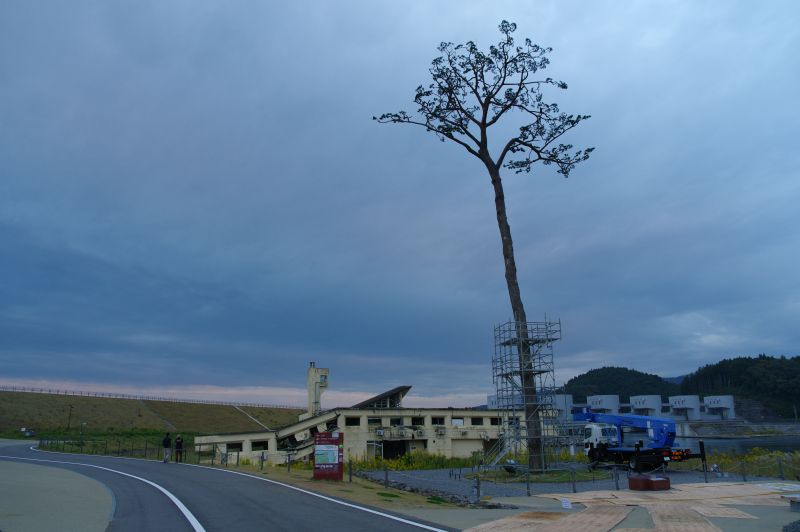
column 604, row 440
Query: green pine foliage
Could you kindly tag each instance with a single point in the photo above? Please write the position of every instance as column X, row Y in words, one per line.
column 618, row 381
column 773, row 381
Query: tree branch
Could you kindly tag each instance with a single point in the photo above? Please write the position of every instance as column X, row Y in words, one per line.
column 389, row 119
column 510, row 102
column 452, row 99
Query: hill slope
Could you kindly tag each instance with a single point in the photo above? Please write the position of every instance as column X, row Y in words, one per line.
column 774, row 382
column 50, row 412
column 618, row 381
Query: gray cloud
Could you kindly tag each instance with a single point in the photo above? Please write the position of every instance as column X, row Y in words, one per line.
column 194, row 193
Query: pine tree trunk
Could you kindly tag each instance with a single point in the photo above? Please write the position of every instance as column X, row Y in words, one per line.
column 532, row 414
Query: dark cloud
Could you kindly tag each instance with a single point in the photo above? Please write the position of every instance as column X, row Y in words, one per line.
column 194, row 193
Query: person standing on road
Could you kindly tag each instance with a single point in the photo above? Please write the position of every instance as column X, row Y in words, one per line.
column 167, row 444
column 178, row 448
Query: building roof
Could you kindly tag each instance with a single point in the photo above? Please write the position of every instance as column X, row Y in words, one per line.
column 391, row 399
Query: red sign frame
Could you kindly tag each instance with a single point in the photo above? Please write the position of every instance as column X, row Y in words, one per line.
column 329, row 456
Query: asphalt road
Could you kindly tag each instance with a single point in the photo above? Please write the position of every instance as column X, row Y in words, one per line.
column 213, row 499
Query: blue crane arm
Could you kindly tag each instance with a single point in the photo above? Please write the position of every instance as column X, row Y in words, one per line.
column 660, row 431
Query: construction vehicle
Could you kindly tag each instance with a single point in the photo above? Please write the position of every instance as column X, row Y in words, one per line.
column 604, row 440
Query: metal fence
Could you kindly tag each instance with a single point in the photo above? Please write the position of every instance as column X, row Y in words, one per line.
column 470, row 484
column 152, row 449
column 143, row 448
column 782, row 466
column 77, row 393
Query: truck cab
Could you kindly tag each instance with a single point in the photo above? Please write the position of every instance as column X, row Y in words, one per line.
column 600, row 433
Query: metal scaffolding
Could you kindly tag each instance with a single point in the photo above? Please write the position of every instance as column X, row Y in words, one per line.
column 523, row 354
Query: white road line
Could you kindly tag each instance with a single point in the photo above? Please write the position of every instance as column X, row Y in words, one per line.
column 184, row 510
column 301, row 490
column 331, row 499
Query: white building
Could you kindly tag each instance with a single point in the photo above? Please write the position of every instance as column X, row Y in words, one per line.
column 607, row 404
column 678, row 407
column 494, row 403
column 685, row 407
column 719, row 407
column 646, row 405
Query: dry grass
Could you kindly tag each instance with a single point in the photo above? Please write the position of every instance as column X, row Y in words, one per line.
column 52, row 412
column 190, row 417
column 49, row 412
column 274, row 418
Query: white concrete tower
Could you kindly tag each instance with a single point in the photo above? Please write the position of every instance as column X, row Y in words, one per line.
column 317, row 381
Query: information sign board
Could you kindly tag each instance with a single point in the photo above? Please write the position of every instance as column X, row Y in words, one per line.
column 329, row 456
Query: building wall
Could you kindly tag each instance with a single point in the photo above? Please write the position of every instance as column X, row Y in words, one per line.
column 685, row 407
column 646, row 405
column 678, row 407
column 494, row 403
column 449, row 432
column 246, row 440
column 719, row 407
column 608, row 404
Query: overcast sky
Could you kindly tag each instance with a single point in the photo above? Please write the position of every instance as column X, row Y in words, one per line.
column 194, row 199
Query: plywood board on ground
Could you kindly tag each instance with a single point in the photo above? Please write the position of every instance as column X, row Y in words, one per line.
column 677, row 518
column 523, row 521
column 683, row 492
column 763, row 500
column 592, row 519
column 710, row 510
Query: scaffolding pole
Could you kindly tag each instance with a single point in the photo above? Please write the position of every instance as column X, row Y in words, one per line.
column 524, row 379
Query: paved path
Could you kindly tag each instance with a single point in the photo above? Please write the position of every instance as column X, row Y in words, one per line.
column 216, row 499
column 35, row 497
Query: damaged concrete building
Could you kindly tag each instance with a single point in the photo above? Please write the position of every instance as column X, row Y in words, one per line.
column 379, row 426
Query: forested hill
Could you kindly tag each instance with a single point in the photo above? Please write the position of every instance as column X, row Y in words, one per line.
column 775, row 382
column 618, row 381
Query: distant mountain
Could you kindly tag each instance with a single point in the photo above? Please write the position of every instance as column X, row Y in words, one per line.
column 675, row 380
column 618, row 381
column 774, row 382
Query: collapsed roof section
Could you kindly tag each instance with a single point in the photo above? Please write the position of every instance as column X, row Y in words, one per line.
column 391, row 399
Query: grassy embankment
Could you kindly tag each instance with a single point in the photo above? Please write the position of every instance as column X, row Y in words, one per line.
column 70, row 416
